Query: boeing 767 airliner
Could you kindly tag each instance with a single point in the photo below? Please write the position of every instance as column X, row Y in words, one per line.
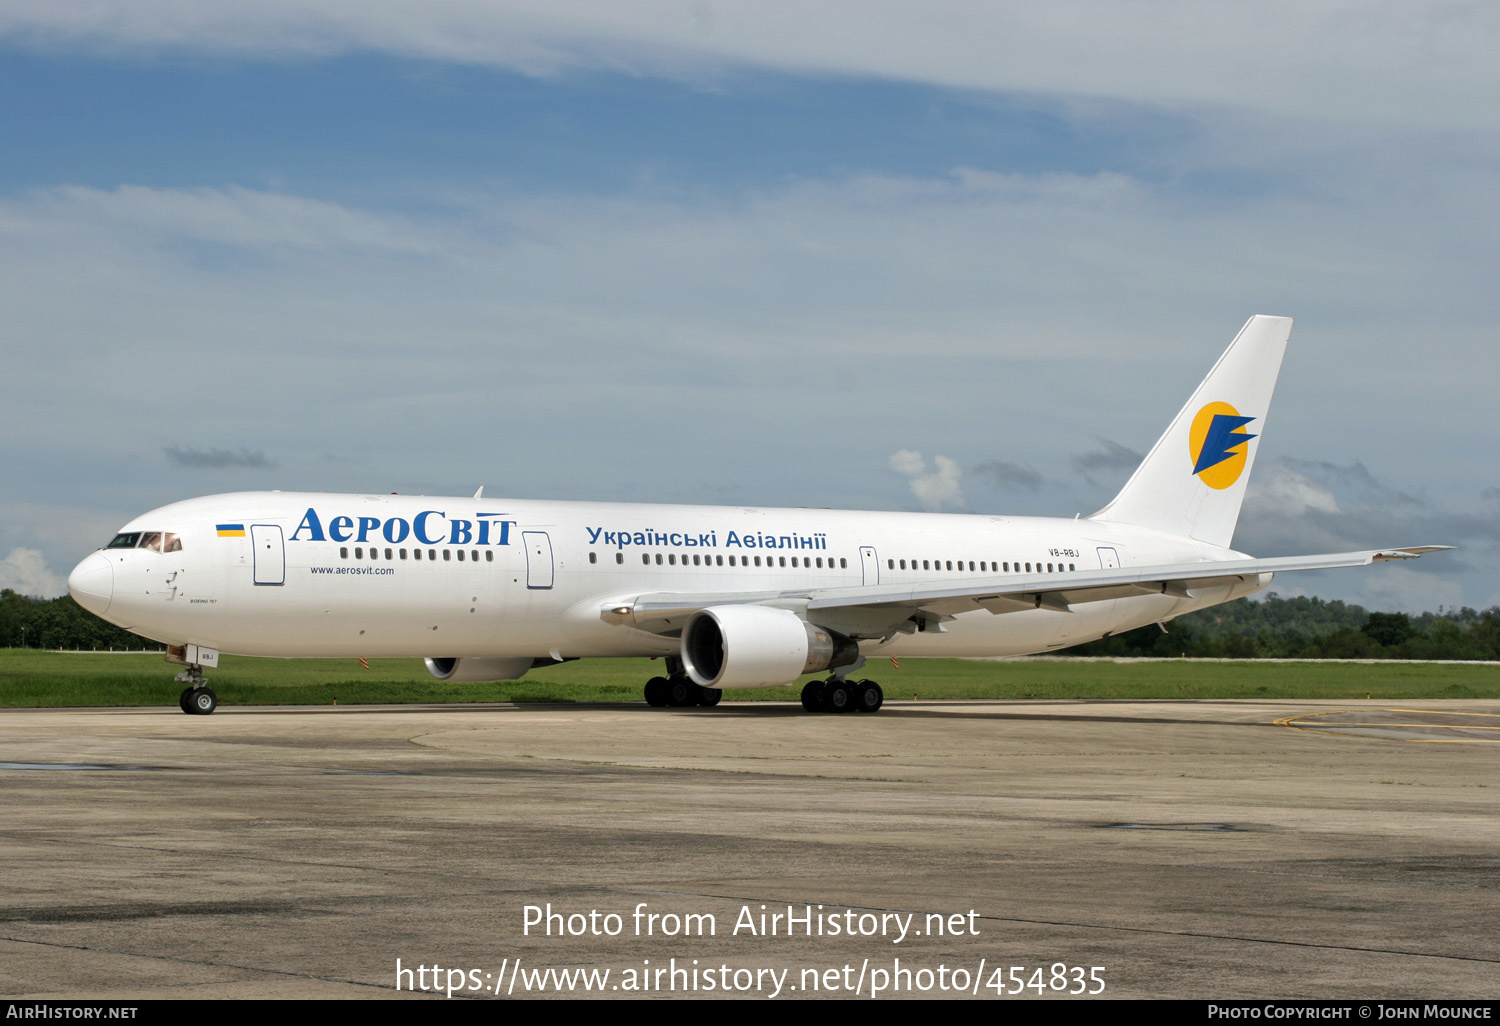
column 729, row 597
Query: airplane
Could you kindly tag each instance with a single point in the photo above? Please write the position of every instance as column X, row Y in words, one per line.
column 728, row 597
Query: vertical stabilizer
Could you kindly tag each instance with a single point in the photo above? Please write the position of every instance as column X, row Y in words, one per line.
column 1193, row 480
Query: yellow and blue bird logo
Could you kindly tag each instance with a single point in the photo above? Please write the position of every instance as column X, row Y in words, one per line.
column 1217, row 444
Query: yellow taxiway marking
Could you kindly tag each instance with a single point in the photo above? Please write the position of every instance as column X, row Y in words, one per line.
column 1290, row 722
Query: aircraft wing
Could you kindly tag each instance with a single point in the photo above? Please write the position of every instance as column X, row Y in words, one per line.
column 881, row 611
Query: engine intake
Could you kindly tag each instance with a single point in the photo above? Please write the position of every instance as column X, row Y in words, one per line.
column 471, row 668
column 757, row 646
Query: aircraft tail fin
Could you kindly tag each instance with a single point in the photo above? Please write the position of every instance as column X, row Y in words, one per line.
column 1193, row 480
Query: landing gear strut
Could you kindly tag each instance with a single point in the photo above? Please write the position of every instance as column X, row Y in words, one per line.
column 197, row 699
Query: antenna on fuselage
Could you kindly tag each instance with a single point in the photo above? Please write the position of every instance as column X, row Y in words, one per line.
column 479, row 494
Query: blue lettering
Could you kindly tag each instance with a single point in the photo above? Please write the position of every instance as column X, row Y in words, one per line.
column 484, row 529
column 396, row 530
column 733, row 539
column 419, row 528
column 338, row 528
column 311, row 525
column 593, row 534
column 366, row 525
column 462, row 533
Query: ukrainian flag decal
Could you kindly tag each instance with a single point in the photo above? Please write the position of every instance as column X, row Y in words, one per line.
column 231, row 530
column 1217, row 444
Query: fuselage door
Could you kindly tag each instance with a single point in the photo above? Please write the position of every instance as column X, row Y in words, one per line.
column 1108, row 557
column 270, row 553
column 869, row 564
column 538, row 559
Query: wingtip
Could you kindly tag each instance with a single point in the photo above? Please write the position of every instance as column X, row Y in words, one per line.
column 1411, row 551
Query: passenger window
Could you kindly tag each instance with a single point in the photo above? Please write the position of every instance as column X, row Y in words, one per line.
column 432, row 554
column 359, row 553
column 783, row 561
column 757, row 561
column 619, row 557
column 447, row 555
column 387, row 553
column 416, row 553
column 489, row 555
column 403, row 553
column 658, row 559
column 843, row 563
column 344, row 552
column 672, row 558
column 696, row 559
column 593, row 557
column 718, row 560
column 460, row 555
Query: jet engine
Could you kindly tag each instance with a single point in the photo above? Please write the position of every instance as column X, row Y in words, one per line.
column 471, row 668
column 757, row 646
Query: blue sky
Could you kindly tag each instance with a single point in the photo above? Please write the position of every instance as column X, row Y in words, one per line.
column 720, row 252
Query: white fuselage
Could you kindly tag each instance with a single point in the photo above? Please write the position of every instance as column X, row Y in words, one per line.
column 287, row 574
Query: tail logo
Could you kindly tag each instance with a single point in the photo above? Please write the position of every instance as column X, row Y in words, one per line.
column 1217, row 444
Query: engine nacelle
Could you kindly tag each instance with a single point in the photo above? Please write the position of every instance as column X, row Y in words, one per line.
column 756, row 646
column 471, row 668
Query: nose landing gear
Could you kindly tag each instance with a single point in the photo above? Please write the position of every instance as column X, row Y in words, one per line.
column 197, row 699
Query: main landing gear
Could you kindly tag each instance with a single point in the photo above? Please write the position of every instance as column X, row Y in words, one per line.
column 836, row 696
column 833, row 695
column 197, row 699
column 679, row 690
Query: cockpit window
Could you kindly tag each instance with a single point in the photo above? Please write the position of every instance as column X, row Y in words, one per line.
column 156, row 541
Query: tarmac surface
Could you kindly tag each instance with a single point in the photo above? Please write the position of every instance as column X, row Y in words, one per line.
column 1190, row 849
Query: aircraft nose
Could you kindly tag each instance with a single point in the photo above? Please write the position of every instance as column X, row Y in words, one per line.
column 92, row 583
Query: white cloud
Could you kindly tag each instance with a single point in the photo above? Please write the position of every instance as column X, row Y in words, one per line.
column 935, row 490
column 25, row 572
column 1277, row 490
